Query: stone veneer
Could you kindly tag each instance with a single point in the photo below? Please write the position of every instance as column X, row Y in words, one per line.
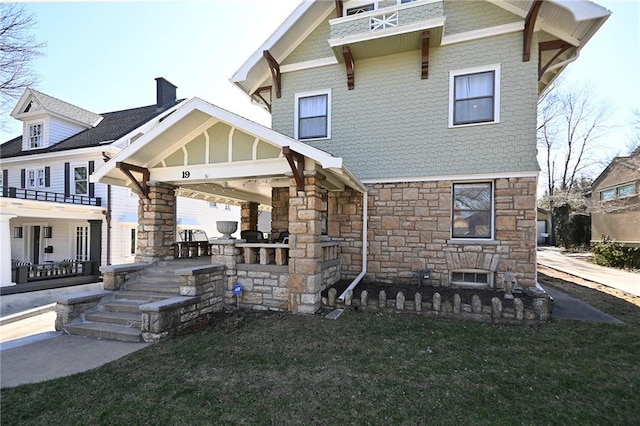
column 156, row 224
column 409, row 228
column 279, row 211
column 249, row 216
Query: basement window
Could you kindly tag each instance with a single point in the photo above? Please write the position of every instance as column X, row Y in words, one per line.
column 475, row 278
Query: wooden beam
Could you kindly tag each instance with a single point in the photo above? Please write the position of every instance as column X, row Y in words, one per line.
column 297, row 169
column 258, row 94
column 275, row 72
column 426, row 37
column 127, row 169
column 559, row 45
column 350, row 66
column 339, row 8
column 529, row 24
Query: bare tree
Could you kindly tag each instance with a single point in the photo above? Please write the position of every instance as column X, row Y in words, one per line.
column 18, row 49
column 571, row 121
column 634, row 137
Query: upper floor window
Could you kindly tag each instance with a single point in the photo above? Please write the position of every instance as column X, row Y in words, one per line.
column 626, row 190
column 35, row 178
column 474, row 96
column 472, row 210
column 313, row 115
column 355, row 7
column 35, row 136
column 80, row 180
column 405, row 1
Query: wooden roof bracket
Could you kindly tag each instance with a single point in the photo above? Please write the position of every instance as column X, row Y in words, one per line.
column 350, row 66
column 426, row 37
column 296, row 162
column 127, row 168
column 275, row 72
column 529, row 24
column 339, row 8
column 258, row 94
column 560, row 45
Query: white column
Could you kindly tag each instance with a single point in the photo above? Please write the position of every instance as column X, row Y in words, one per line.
column 5, row 250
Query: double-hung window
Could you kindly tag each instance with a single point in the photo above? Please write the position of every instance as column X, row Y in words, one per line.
column 472, row 210
column 313, row 115
column 474, row 96
column 80, row 180
column 35, row 178
column 35, row 136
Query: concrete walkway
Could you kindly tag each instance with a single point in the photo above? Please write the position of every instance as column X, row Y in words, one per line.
column 577, row 266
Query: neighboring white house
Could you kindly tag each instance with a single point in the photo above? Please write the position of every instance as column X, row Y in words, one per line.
column 50, row 211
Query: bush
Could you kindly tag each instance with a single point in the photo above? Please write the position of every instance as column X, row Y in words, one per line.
column 614, row 254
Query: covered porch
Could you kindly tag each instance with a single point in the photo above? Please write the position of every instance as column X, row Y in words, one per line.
column 204, row 152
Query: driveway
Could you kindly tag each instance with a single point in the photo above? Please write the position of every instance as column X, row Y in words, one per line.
column 577, row 265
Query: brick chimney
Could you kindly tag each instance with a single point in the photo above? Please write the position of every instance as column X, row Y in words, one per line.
column 165, row 94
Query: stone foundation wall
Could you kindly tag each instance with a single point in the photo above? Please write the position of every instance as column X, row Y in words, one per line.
column 409, row 228
column 265, row 288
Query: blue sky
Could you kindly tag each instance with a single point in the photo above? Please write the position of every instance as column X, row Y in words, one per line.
column 104, row 56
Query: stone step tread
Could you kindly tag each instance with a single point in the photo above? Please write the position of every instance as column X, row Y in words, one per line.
column 154, row 287
column 147, row 296
column 118, row 318
column 131, row 306
column 104, row 331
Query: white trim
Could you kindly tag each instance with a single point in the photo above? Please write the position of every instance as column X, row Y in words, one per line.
column 482, row 33
column 305, row 65
column 496, row 68
column 35, row 171
column 48, row 156
column 469, row 178
column 404, row 29
column 72, row 178
column 354, row 4
column 379, row 10
column 297, row 97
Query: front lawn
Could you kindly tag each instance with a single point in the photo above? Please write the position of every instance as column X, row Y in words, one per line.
column 259, row 368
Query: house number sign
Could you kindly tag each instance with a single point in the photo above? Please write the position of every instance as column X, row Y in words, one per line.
column 186, row 174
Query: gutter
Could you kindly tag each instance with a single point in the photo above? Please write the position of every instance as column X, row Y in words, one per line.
column 365, row 214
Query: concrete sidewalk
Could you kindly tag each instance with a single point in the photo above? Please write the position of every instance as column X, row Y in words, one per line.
column 559, row 260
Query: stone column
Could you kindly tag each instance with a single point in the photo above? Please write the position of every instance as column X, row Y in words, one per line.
column 249, row 216
column 279, row 211
column 226, row 253
column 5, row 249
column 305, row 249
column 156, row 224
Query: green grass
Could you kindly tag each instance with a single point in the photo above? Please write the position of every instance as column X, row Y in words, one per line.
column 365, row 368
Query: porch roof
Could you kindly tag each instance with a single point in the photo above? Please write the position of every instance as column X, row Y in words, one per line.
column 215, row 155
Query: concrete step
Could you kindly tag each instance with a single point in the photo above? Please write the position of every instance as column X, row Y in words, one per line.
column 160, row 287
column 117, row 318
column 130, row 306
column 104, row 331
column 146, row 296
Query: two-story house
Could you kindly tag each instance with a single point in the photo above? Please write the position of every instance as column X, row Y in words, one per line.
column 49, row 210
column 402, row 131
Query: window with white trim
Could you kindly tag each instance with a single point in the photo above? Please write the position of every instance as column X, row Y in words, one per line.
column 312, row 115
column 474, row 96
column 472, row 210
column 35, row 135
column 35, row 178
column 626, row 190
column 80, row 180
column 356, row 7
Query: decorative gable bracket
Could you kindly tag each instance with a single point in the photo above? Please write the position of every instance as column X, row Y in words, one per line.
column 349, row 65
column 529, row 24
column 127, row 169
column 275, row 72
column 296, row 162
column 426, row 38
column 559, row 45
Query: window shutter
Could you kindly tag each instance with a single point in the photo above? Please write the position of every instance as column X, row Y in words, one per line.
column 92, row 186
column 5, row 178
column 23, row 178
column 47, row 177
column 67, row 172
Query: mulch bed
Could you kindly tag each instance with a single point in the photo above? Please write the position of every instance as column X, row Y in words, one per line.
column 427, row 292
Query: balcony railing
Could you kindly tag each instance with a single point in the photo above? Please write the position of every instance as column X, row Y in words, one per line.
column 55, row 197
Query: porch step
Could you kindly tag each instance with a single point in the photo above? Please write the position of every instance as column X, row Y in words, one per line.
column 158, row 276
column 117, row 318
column 159, row 287
column 104, row 331
column 129, row 306
column 146, row 296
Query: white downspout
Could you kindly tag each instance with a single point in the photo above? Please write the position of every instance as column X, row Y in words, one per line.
column 365, row 214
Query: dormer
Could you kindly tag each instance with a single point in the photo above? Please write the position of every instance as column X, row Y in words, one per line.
column 47, row 120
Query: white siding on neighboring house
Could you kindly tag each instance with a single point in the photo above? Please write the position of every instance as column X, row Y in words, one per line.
column 60, row 130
